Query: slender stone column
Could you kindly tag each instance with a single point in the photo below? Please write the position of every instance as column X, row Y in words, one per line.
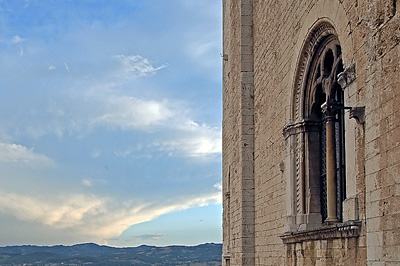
column 331, row 167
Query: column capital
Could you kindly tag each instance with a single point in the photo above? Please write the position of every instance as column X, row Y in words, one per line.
column 330, row 108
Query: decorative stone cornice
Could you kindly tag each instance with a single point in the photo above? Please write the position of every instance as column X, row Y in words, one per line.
column 348, row 229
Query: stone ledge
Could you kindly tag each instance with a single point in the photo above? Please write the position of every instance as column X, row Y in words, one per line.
column 342, row 230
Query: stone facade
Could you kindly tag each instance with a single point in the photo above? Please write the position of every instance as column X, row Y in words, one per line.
column 272, row 199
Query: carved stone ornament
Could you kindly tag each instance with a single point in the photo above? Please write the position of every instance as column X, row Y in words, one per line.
column 346, row 77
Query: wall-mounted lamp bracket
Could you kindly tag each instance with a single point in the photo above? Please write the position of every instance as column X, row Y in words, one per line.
column 329, row 106
column 358, row 113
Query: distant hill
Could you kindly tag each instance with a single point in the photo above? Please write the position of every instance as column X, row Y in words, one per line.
column 95, row 255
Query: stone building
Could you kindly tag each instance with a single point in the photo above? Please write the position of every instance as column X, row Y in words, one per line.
column 311, row 132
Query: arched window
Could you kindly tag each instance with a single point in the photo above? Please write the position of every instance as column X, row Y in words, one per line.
column 326, row 105
column 315, row 165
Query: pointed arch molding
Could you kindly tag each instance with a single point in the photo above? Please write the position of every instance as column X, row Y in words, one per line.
column 302, row 212
column 319, row 33
column 303, row 192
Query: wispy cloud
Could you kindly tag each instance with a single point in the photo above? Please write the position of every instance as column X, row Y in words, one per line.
column 134, row 66
column 27, row 3
column 66, row 67
column 87, row 182
column 150, row 236
column 218, row 186
column 123, row 154
column 14, row 153
column 16, row 39
column 130, row 113
column 95, row 154
column 194, row 140
column 190, row 138
column 199, row 48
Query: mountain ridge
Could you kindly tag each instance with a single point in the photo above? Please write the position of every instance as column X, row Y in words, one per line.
column 208, row 254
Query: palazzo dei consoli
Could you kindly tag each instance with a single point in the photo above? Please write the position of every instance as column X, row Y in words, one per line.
column 311, row 132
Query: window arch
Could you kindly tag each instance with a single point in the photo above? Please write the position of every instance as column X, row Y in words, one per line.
column 325, row 91
column 314, row 136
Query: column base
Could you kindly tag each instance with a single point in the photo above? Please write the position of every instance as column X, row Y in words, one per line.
column 330, row 221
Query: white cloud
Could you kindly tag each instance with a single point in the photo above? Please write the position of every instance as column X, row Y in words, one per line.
column 86, row 182
column 120, row 220
column 131, row 113
column 200, row 48
column 66, row 67
column 21, row 51
column 134, row 66
column 57, row 213
column 17, row 39
column 218, row 186
column 150, row 236
column 93, row 216
column 168, row 121
column 95, row 154
column 123, row 154
column 14, row 153
column 188, row 139
column 194, row 140
column 182, row 136
column 205, row 53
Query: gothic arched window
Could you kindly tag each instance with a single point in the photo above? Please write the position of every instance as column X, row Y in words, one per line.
column 326, row 106
column 315, row 149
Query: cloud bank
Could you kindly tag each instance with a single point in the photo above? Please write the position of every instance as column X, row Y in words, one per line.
column 93, row 216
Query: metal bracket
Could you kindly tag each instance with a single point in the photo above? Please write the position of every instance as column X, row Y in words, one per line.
column 358, row 113
column 329, row 106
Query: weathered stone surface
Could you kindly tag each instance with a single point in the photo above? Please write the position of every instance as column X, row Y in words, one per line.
column 265, row 46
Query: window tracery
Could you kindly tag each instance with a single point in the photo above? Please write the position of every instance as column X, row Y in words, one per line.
column 315, row 136
column 326, row 92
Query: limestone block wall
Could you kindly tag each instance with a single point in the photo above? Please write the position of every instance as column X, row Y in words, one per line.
column 232, row 188
column 238, row 134
column 382, row 133
column 262, row 44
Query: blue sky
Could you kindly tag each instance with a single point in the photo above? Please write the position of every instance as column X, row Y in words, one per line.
column 110, row 122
